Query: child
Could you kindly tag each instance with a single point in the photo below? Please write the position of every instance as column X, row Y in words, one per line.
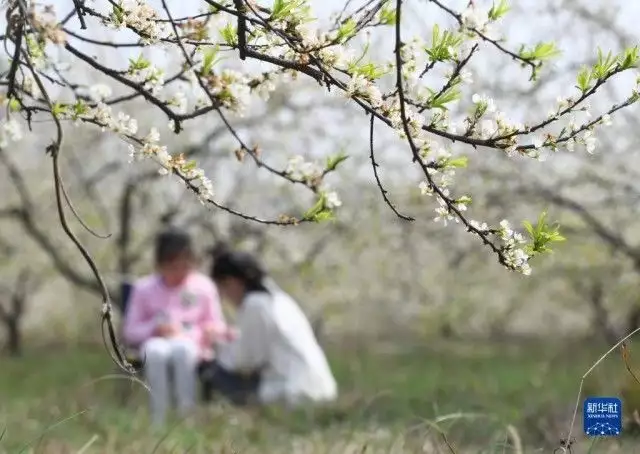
column 275, row 357
column 174, row 317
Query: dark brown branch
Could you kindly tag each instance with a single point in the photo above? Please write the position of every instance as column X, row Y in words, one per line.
column 124, row 81
column 375, row 166
column 484, row 37
column 414, row 150
column 242, row 29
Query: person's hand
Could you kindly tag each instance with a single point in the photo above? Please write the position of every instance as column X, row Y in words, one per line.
column 167, row 330
column 215, row 334
column 231, row 334
column 211, row 334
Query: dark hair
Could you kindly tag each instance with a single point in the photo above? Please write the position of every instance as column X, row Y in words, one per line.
column 239, row 265
column 171, row 243
column 218, row 249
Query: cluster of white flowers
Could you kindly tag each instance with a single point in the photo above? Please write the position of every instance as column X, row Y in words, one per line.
column 515, row 257
column 99, row 92
column 232, row 89
column 320, row 44
column 362, row 87
column 335, row 56
column 443, row 212
column 265, row 86
column 48, row 26
column 150, row 147
column 332, row 199
column 311, row 36
column 476, row 19
column 138, row 15
column 573, row 133
column 483, row 104
column 30, row 86
column 587, row 139
column 411, row 54
column 10, row 131
column 300, row 169
column 179, row 102
column 310, row 172
column 193, row 176
column 484, row 122
column 151, row 78
column 103, row 116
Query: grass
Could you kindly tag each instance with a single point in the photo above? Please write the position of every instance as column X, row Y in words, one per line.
column 57, row 400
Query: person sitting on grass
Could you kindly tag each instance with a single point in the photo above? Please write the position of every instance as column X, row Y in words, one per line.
column 274, row 355
column 174, row 317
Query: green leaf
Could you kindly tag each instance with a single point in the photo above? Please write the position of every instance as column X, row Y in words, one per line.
column 334, row 161
column 464, row 200
column 324, row 215
column 36, row 48
column 316, row 208
column 209, row 59
column 58, row 109
column 542, row 51
column 584, row 79
column 79, row 108
column 529, row 228
column 284, row 9
column 370, row 71
column 629, row 58
column 278, row 8
column 190, row 165
column 139, row 63
column 499, row 10
column 542, row 235
column 229, row 34
column 440, row 101
column 14, row 105
column 388, row 14
column 442, row 44
column 459, row 162
column 117, row 13
column 605, row 65
column 347, row 30
column 319, row 212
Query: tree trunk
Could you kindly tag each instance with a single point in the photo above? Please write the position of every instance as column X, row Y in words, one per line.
column 633, row 320
column 14, row 336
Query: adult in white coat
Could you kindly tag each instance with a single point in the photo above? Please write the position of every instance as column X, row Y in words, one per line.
column 275, row 354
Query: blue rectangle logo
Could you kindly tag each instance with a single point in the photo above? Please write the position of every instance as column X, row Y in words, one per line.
column 602, row 416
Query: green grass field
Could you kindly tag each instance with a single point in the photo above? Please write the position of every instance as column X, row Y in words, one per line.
column 60, row 400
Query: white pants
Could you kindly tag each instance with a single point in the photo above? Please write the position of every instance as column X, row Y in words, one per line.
column 163, row 356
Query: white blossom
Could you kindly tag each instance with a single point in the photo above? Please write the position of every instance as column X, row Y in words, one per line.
column 10, row 131
column 332, row 200
column 474, row 18
column 99, row 92
column 466, row 76
column 484, row 101
column 141, row 17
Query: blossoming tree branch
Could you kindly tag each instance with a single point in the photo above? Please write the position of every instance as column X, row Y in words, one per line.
column 291, row 44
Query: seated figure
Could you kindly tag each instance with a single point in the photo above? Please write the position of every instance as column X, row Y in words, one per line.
column 174, row 317
column 274, row 355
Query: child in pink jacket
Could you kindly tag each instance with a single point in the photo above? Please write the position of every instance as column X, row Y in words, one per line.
column 174, row 317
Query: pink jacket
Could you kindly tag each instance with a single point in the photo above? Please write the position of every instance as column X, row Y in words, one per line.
column 195, row 305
